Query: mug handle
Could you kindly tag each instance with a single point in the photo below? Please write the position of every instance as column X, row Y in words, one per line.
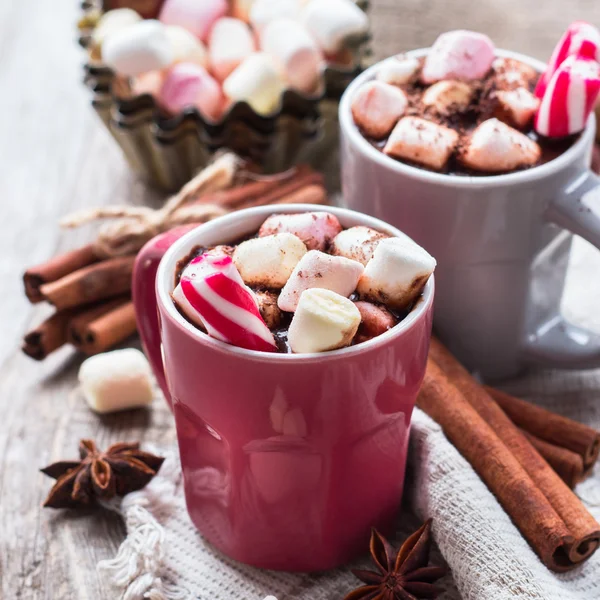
column 558, row 343
column 144, row 298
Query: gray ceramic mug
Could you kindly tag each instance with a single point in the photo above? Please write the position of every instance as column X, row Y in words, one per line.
column 502, row 244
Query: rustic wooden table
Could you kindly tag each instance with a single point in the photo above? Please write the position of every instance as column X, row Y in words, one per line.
column 56, row 157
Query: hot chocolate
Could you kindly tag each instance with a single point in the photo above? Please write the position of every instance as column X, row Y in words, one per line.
column 461, row 110
column 302, row 284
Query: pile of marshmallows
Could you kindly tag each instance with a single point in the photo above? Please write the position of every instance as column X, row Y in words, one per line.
column 209, row 54
column 307, row 265
column 560, row 105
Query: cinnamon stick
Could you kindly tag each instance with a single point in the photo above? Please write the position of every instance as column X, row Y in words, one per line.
column 523, row 501
column 54, row 269
column 568, row 465
column 309, row 194
column 78, row 325
column 96, row 282
column 48, row 336
column 108, row 330
column 550, row 427
column 580, row 523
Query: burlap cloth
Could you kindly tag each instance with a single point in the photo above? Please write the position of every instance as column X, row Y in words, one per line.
column 165, row 558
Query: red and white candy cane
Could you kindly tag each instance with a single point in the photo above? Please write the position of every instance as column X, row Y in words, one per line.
column 582, row 40
column 569, row 99
column 213, row 287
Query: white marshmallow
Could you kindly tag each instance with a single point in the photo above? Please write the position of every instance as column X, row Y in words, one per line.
column 315, row 229
column 186, row 46
column 495, row 147
column 141, row 47
column 332, row 22
column 295, row 51
column 461, row 54
column 323, row 321
column 117, row 380
column 448, row 95
column 357, row 243
column 319, row 270
column 397, row 273
column 258, row 82
column 230, row 42
column 376, row 108
column 112, row 22
column 422, row 142
column 263, row 12
column 398, row 70
column 517, row 107
column 268, row 261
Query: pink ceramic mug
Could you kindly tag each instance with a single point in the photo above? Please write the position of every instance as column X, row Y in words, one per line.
column 288, row 460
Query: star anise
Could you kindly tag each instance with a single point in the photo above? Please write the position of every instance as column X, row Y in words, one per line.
column 403, row 575
column 123, row 468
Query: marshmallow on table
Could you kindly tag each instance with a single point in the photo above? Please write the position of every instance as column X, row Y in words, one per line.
column 580, row 40
column 398, row 70
column 448, row 95
column 569, row 98
column 262, row 12
column 217, row 296
column 319, row 270
column 257, row 81
column 332, row 22
column 230, row 42
column 189, row 85
column 141, row 47
column 357, row 243
column 323, row 321
column 315, row 229
column 495, row 147
column 198, row 16
column 376, row 108
column 422, row 142
column 374, row 320
column 397, row 273
column 268, row 261
column 112, row 22
column 517, row 107
column 295, row 51
column 511, row 73
column 461, row 54
column 186, row 46
column 117, row 380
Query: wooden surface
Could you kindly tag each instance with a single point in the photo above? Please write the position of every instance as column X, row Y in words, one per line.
column 56, row 157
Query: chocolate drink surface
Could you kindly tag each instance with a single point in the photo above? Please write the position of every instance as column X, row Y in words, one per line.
column 301, row 284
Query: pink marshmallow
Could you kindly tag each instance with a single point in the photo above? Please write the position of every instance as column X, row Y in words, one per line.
column 231, row 41
column 319, row 270
column 569, row 98
column 188, row 85
column 147, row 83
column 580, row 40
column 496, row 148
column 198, row 16
column 377, row 107
column 461, row 54
column 315, row 229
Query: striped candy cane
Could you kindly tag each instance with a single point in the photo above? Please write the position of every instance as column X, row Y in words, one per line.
column 211, row 291
column 569, row 98
column 581, row 39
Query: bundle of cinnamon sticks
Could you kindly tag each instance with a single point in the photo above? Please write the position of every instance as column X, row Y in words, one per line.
column 514, row 458
column 91, row 292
